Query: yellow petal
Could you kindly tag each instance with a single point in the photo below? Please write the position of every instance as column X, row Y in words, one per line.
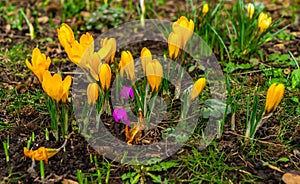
column 184, row 28
column 92, row 93
column 146, row 57
column 28, row 64
column 174, row 44
column 35, row 55
column 66, row 86
column 127, row 64
column 65, row 36
column 108, row 49
column 205, row 9
column 274, row 96
column 86, row 44
column 105, row 76
column 51, row 152
column 154, row 73
column 250, row 10
column 197, row 88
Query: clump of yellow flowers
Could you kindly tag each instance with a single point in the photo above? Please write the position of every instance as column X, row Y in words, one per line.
column 100, row 66
column 56, row 88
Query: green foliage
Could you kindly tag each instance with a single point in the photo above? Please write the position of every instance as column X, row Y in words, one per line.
column 12, row 15
column 296, row 78
column 105, row 17
column 72, row 8
column 205, row 167
column 209, row 28
column 244, row 35
column 140, row 173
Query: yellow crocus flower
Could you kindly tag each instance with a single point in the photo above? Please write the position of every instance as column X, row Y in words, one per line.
column 92, row 93
column 205, row 9
column 127, row 65
column 146, row 57
column 108, row 49
column 41, row 153
column 65, row 36
column 250, row 10
column 174, row 44
column 105, row 76
column 55, row 87
column 154, row 73
column 91, row 61
column 264, row 22
column 184, row 28
column 77, row 49
column 197, row 88
column 274, row 96
column 73, row 48
column 94, row 63
column 39, row 63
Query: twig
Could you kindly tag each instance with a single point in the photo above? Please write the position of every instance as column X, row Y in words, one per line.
column 260, row 141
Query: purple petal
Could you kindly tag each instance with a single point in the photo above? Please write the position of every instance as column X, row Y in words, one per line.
column 131, row 94
column 115, row 115
column 124, row 94
column 127, row 92
column 127, row 122
column 120, row 114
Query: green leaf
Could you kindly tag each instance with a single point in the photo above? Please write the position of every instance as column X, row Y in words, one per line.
column 295, row 78
column 244, row 66
column 283, row 159
column 284, row 57
column 192, row 68
column 265, row 163
column 155, row 179
column 128, row 175
column 230, row 67
column 136, row 179
column 167, row 165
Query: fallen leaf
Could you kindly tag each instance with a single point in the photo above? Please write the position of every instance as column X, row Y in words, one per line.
column 67, row 181
column 43, row 20
column 7, row 28
column 292, row 177
column 281, row 46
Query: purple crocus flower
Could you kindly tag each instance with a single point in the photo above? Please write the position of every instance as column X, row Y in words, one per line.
column 127, row 92
column 120, row 114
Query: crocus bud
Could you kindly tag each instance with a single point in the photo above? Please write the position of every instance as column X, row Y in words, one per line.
column 250, row 10
column 146, row 57
column 127, row 65
column 205, row 9
column 154, row 74
column 174, row 44
column 274, row 96
column 197, row 88
column 105, row 76
column 92, row 93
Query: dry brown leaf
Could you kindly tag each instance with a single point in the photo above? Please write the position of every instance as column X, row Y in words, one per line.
column 291, row 178
column 67, row 181
column 43, row 20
